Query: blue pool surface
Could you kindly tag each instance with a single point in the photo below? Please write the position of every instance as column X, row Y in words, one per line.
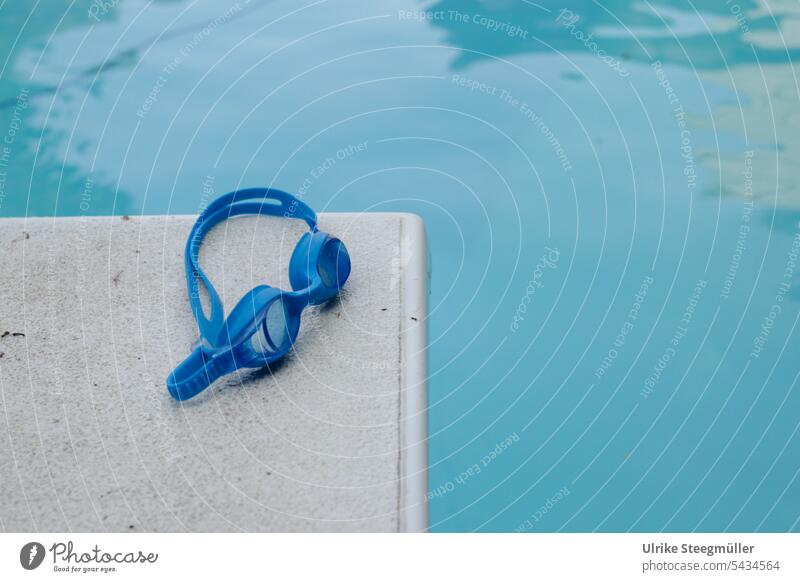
column 611, row 193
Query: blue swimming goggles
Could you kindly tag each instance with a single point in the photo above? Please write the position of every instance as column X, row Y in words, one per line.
column 264, row 324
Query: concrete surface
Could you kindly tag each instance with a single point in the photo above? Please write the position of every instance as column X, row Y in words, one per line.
column 94, row 316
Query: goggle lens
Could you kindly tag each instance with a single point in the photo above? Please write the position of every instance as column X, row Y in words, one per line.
column 273, row 335
column 334, row 264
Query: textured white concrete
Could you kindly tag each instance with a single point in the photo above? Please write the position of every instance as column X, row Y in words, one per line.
column 331, row 440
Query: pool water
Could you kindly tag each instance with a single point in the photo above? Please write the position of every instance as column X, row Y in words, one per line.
column 611, row 197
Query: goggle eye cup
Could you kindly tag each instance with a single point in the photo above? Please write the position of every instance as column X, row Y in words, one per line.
column 333, row 264
column 278, row 330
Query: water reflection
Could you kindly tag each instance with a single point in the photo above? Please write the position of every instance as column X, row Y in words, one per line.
column 41, row 178
column 745, row 46
column 37, row 181
column 714, row 36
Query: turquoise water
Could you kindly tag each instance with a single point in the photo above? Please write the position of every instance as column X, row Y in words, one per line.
column 610, row 192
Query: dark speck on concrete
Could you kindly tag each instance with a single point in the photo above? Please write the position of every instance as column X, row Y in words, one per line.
column 17, row 334
column 384, row 308
column 2, row 354
column 126, row 218
column 414, row 318
column 130, row 527
column 5, row 334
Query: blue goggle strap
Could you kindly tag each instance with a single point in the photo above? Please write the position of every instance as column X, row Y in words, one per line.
column 198, row 372
column 270, row 202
